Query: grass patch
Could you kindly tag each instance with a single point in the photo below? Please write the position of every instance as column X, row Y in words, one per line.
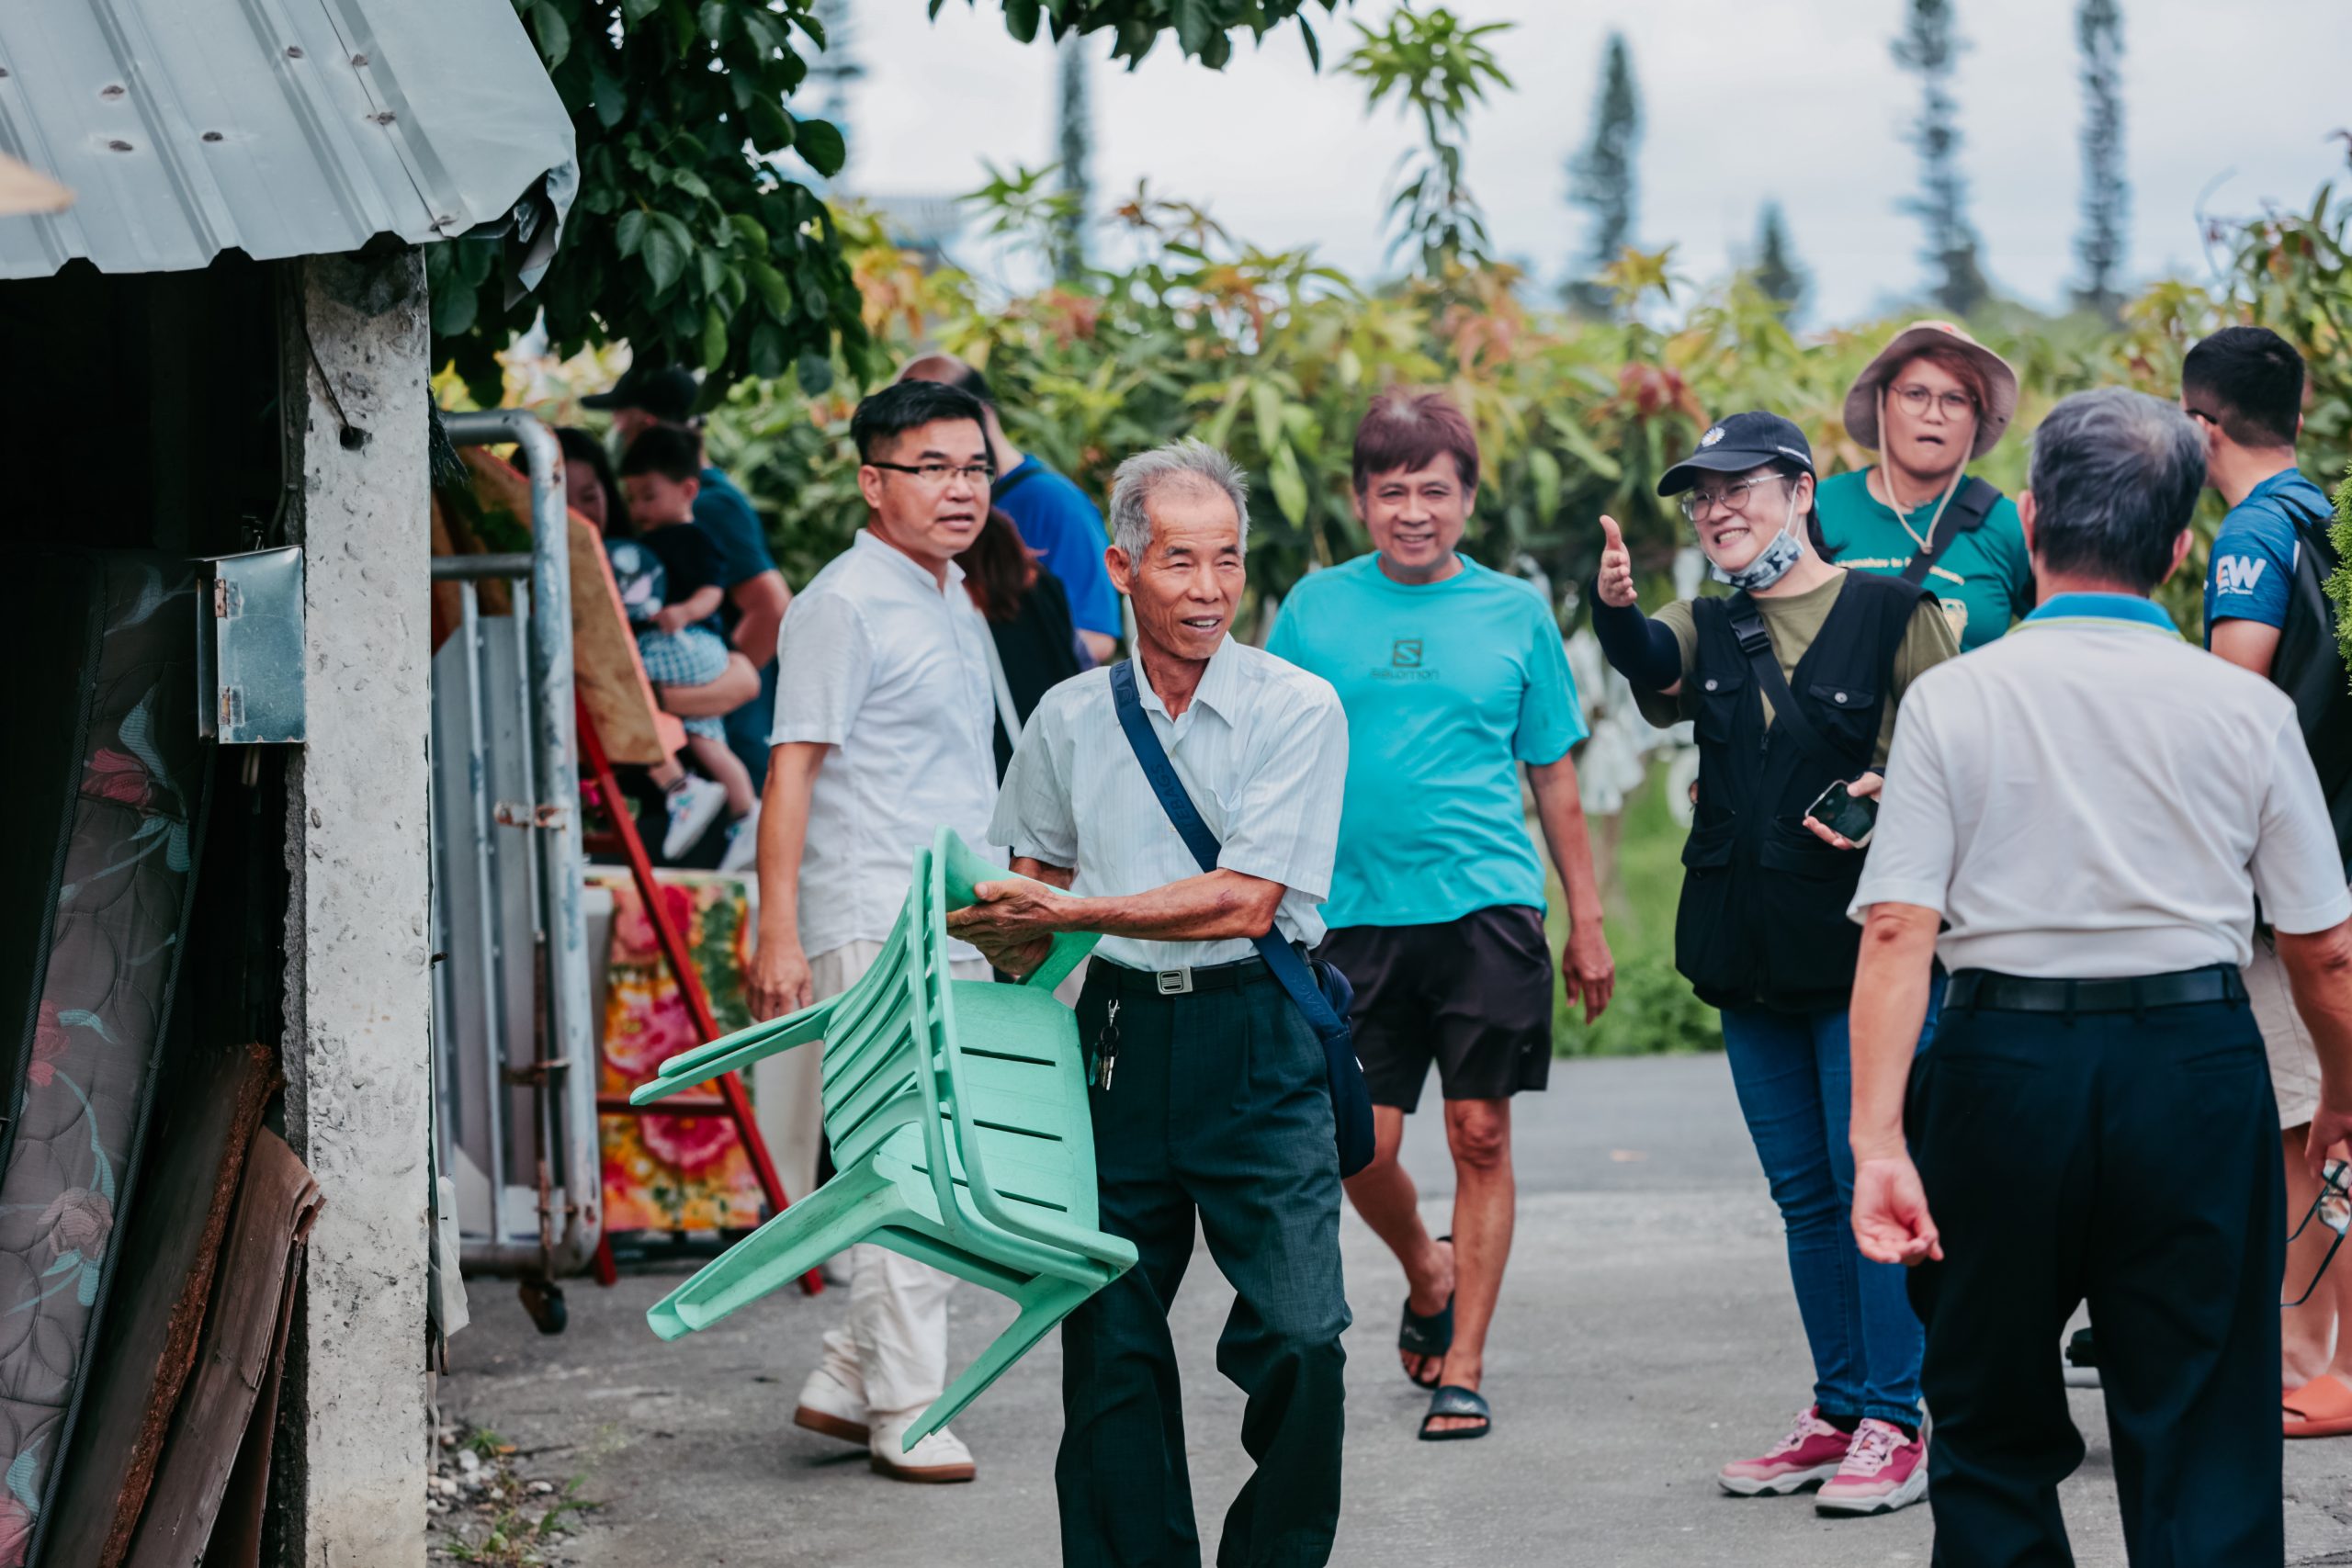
column 1654, row 1011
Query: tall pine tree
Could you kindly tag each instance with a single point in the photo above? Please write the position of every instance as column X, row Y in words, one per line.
column 1928, row 47
column 1077, row 134
column 835, row 70
column 2107, row 196
column 1776, row 272
column 1601, row 178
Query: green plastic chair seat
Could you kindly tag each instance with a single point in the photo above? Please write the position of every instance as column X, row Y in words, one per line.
column 957, row 1112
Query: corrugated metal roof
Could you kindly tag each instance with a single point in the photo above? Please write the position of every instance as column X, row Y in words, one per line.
column 278, row 128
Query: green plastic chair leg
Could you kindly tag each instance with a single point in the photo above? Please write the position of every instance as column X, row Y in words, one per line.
column 1043, row 1305
column 851, row 1207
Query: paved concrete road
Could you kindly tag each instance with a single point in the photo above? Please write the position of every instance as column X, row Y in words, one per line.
column 1647, row 1334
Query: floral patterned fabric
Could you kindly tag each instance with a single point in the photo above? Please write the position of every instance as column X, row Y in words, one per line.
column 672, row 1173
column 113, row 779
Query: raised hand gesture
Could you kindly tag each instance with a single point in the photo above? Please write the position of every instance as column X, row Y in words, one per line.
column 1616, row 582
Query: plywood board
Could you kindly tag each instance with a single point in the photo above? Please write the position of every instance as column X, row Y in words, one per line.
column 606, row 669
column 163, row 1276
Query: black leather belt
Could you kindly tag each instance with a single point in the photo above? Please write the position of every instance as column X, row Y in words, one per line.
column 1990, row 992
column 1182, row 980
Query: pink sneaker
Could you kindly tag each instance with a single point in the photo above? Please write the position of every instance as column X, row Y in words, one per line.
column 1811, row 1452
column 1883, row 1471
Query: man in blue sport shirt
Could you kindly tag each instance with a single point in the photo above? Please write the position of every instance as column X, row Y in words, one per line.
column 756, row 592
column 1452, row 675
column 2244, row 385
column 1055, row 518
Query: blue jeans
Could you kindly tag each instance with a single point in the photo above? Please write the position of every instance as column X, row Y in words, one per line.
column 748, row 728
column 1794, row 1085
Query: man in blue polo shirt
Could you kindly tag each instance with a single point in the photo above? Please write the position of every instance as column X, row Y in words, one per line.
column 1058, row 524
column 1452, row 675
column 2244, row 385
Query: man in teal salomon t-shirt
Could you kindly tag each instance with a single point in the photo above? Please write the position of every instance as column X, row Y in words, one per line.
column 1452, row 675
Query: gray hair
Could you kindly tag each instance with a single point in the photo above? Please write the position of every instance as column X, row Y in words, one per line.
column 1189, row 464
column 2116, row 475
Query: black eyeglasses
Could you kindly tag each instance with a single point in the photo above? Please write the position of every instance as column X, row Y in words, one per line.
column 936, row 474
column 2332, row 1208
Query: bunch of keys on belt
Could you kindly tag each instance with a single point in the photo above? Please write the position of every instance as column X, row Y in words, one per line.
column 1106, row 1047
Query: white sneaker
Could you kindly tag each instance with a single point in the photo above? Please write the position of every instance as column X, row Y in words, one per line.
column 941, row 1456
column 743, row 843
column 694, row 806
column 831, row 1405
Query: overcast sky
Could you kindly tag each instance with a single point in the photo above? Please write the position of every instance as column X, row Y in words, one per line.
column 1743, row 100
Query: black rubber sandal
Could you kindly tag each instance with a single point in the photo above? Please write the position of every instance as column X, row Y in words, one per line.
column 1454, row 1400
column 1427, row 1336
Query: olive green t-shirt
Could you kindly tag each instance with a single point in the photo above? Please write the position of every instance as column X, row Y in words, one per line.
column 1793, row 622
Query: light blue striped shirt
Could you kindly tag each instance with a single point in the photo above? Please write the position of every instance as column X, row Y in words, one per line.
column 1262, row 748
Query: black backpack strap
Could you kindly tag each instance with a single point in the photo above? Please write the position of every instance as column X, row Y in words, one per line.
column 1756, row 647
column 1005, row 484
column 1965, row 514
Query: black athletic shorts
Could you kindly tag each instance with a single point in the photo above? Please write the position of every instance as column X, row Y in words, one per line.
column 1474, row 995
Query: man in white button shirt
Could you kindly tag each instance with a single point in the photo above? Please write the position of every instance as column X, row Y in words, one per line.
column 1211, row 1093
column 2088, row 809
column 884, row 732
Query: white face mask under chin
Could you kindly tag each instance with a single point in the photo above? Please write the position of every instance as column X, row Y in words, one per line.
column 1772, row 562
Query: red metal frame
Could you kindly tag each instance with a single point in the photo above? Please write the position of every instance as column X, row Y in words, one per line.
column 729, row 1101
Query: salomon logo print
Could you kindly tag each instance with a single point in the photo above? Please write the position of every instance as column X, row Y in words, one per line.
column 1405, row 653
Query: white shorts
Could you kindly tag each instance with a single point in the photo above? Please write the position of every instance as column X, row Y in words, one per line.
column 2294, row 1060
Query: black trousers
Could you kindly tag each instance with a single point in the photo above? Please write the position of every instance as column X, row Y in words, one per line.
column 2132, row 1162
column 1219, row 1107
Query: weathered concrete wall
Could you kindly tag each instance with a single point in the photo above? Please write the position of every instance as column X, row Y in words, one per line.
column 358, row 993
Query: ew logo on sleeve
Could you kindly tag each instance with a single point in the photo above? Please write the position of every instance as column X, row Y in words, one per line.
column 2237, row 574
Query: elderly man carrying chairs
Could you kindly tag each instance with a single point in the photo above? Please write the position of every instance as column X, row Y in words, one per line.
column 958, row 1119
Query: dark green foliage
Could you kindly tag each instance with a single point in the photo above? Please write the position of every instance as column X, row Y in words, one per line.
column 1601, row 178
column 2107, row 196
column 692, row 236
column 1776, row 272
column 1928, row 47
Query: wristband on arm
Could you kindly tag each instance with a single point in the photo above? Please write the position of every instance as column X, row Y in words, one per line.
column 1642, row 650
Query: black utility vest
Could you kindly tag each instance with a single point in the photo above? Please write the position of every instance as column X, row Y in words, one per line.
column 1763, row 916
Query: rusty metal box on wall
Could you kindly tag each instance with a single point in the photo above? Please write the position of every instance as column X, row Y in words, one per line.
column 249, row 648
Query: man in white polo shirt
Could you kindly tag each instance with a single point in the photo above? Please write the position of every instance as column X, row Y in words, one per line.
column 884, row 732
column 2088, row 809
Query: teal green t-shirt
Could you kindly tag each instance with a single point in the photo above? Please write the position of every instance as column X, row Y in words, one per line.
column 1984, row 578
column 1448, row 687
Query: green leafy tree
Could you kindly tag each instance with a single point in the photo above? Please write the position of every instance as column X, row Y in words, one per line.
column 1601, row 178
column 2107, row 196
column 1077, row 150
column 693, row 236
column 1777, row 273
column 1437, row 68
column 1930, row 48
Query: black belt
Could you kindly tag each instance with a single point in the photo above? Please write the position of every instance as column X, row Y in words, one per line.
column 1184, row 979
column 1987, row 991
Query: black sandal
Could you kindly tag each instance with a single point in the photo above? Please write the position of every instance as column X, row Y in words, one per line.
column 1454, row 1400
column 1427, row 1336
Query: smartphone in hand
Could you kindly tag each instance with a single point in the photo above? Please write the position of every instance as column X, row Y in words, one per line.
column 1852, row 819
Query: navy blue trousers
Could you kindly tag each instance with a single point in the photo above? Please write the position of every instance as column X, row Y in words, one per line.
column 2132, row 1163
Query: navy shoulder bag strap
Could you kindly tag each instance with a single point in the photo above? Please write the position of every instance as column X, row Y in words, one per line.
column 1321, row 993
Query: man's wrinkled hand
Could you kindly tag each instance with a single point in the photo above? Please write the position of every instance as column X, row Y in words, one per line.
column 1588, row 968
column 1012, row 922
column 778, row 982
column 2331, row 1128
column 1890, row 1220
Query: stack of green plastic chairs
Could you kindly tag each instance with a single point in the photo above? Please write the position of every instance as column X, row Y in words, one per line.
column 958, row 1119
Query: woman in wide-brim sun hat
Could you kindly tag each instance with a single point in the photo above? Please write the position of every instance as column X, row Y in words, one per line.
column 1934, row 400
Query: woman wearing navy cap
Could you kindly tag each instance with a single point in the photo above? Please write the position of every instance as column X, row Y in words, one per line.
column 1791, row 682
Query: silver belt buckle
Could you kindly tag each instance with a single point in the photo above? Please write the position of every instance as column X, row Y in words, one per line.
column 1176, row 982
